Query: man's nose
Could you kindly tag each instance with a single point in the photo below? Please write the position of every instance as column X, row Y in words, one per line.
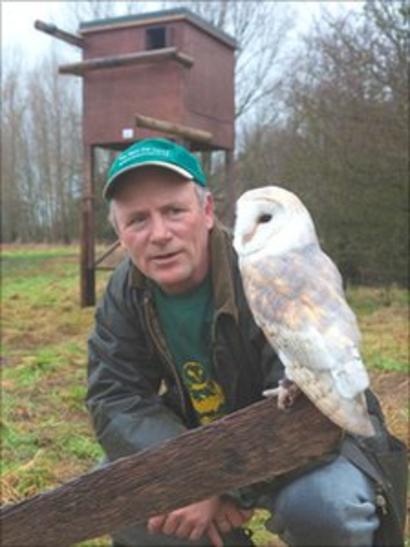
column 159, row 230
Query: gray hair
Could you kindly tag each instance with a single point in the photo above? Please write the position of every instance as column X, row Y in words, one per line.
column 111, row 215
column 201, row 192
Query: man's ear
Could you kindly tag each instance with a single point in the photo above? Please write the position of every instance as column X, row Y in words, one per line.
column 209, row 207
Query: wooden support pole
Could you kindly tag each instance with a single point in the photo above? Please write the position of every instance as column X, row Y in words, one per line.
column 184, row 131
column 115, row 61
column 87, row 231
column 230, row 193
column 51, row 29
column 252, row 445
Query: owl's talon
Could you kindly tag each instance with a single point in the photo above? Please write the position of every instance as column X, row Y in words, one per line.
column 271, row 393
column 288, row 392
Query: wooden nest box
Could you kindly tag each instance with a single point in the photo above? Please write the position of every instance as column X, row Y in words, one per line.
column 170, row 66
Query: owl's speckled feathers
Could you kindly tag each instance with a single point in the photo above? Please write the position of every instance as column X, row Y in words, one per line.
column 296, row 295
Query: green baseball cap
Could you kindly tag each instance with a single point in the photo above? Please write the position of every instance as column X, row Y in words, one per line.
column 158, row 151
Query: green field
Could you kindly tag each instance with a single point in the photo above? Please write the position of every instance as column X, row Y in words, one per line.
column 47, row 438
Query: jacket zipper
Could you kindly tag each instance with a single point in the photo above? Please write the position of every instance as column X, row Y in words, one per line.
column 150, row 319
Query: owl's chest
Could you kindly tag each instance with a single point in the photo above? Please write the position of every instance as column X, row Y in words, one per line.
column 275, row 303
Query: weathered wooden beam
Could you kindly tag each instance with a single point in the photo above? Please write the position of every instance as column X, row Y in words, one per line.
column 189, row 133
column 98, row 63
column 251, row 445
column 53, row 30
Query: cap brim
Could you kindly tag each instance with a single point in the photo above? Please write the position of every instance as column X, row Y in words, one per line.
column 170, row 166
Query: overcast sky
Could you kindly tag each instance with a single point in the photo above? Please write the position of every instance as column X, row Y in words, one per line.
column 17, row 20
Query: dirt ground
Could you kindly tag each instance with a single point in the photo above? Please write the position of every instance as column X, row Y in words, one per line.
column 392, row 389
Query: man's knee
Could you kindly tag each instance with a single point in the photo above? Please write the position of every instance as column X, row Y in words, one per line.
column 342, row 524
column 333, row 505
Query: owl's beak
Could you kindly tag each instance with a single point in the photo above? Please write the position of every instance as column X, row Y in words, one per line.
column 240, row 240
column 248, row 236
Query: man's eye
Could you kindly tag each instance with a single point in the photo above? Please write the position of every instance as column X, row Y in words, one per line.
column 136, row 221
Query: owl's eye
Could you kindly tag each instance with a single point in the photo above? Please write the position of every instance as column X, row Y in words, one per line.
column 264, row 218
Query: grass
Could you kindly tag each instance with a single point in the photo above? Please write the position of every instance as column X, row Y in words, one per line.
column 383, row 315
column 47, row 437
column 44, row 371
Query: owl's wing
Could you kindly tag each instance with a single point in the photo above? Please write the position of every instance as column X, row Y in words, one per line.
column 299, row 303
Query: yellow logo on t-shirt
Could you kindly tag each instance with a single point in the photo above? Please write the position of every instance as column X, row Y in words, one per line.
column 207, row 396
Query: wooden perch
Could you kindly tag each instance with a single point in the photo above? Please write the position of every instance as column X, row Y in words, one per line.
column 248, row 446
column 51, row 29
column 189, row 133
column 115, row 61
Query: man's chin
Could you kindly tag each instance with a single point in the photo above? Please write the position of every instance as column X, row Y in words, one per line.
column 171, row 283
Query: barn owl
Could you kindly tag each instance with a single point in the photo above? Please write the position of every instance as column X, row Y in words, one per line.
column 296, row 296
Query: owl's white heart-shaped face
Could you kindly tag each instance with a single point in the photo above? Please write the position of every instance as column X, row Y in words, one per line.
column 272, row 220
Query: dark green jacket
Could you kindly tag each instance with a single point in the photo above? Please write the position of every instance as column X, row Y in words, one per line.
column 135, row 396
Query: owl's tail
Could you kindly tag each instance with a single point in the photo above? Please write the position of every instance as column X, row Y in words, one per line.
column 349, row 413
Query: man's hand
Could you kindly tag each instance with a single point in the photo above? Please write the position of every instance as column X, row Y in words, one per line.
column 190, row 522
column 212, row 516
column 231, row 516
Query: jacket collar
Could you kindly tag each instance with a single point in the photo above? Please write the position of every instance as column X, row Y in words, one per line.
column 222, row 257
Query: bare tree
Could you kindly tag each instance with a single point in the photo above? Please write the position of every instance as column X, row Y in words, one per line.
column 260, row 30
column 343, row 144
column 55, row 145
column 41, row 153
column 74, row 13
column 12, row 122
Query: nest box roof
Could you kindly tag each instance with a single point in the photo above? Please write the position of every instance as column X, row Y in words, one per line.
column 164, row 16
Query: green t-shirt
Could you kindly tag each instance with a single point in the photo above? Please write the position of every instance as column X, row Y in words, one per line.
column 186, row 322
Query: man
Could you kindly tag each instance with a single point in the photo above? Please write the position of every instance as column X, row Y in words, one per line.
column 175, row 346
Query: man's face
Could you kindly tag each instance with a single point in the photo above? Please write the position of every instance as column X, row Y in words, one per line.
column 164, row 227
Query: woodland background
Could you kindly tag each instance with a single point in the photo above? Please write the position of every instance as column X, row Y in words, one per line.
column 324, row 115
